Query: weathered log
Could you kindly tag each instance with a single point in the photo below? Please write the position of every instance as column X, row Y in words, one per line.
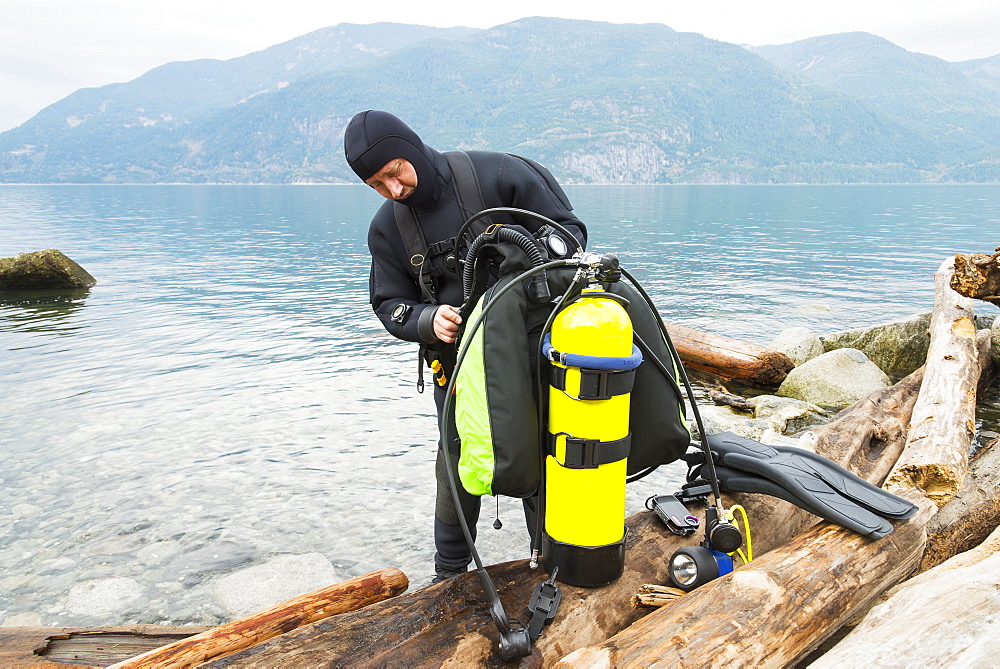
column 450, row 623
column 943, row 422
column 955, row 608
column 60, row 647
column 965, row 521
column 977, row 275
column 42, row 269
column 730, row 358
column 867, row 438
column 350, row 595
column 775, row 609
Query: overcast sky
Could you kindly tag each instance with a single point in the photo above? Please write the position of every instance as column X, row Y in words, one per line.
column 50, row 48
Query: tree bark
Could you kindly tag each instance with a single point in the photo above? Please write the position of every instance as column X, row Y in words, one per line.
column 239, row 634
column 954, row 607
column 943, row 422
column 978, row 275
column 730, row 358
column 965, row 521
column 772, row 611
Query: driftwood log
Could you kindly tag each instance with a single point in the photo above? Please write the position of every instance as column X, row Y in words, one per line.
column 977, row 275
column 946, row 617
column 964, row 522
column 730, row 358
column 772, row 611
column 239, row 634
column 943, row 423
column 449, row 622
column 62, row 647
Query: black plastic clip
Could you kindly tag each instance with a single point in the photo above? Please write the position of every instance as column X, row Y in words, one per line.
column 544, row 604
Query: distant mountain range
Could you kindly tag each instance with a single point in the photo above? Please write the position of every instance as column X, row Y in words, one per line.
column 596, row 102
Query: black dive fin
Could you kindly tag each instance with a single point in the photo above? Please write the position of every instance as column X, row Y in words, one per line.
column 811, row 482
column 854, row 487
column 826, row 504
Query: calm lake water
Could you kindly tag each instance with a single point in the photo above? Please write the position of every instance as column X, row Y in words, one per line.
column 224, row 395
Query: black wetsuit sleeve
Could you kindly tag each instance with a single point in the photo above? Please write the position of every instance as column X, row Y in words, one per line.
column 525, row 188
column 391, row 284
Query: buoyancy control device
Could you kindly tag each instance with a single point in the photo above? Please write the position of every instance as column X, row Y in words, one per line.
column 565, row 387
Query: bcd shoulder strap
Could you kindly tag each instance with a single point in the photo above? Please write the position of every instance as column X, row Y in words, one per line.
column 470, row 202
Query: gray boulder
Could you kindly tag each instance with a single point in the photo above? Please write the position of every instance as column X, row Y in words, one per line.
column 39, row 270
column 898, row 348
column 835, row 379
column 787, row 415
column 721, row 418
column 799, row 344
column 995, row 341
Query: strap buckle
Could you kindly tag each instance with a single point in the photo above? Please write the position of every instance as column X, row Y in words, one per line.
column 580, row 453
column 544, row 604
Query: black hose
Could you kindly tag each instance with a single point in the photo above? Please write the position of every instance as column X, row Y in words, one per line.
column 712, row 478
column 542, row 406
column 496, row 607
column 503, row 234
column 570, row 237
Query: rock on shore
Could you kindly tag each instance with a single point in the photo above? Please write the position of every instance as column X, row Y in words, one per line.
column 834, row 380
column 42, row 269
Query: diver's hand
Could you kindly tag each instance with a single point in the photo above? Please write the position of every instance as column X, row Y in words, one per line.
column 446, row 322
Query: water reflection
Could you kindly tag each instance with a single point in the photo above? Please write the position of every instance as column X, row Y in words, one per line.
column 45, row 312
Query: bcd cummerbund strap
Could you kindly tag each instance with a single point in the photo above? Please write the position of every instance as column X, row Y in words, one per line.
column 590, row 453
column 595, row 384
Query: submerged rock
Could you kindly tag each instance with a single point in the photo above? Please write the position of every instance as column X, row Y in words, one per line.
column 898, row 348
column 834, row 380
column 104, row 595
column 42, row 269
column 799, row 344
column 278, row 580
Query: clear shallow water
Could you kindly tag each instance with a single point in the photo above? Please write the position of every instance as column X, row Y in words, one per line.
column 224, row 394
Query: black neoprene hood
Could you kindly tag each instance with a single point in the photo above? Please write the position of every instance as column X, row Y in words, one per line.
column 373, row 138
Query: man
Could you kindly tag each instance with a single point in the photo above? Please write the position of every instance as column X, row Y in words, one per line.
column 424, row 192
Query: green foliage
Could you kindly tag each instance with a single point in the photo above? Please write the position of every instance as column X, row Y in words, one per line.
column 596, row 102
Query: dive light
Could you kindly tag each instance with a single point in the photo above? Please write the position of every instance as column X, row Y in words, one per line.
column 692, row 566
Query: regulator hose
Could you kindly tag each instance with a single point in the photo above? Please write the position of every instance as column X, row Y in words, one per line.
column 514, row 641
column 502, row 234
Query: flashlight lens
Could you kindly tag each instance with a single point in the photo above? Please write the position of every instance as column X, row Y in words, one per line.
column 684, row 570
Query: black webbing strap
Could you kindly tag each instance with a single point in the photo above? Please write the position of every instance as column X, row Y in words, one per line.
column 590, row 453
column 470, row 202
column 468, row 189
column 595, row 384
column 416, row 249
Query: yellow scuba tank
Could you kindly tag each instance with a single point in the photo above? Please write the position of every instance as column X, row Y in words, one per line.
column 593, row 360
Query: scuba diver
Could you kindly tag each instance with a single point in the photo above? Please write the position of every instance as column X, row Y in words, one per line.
column 415, row 282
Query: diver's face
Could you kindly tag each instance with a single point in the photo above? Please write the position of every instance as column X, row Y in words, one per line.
column 396, row 180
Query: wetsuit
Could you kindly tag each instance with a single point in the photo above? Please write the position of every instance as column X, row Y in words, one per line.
column 505, row 181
